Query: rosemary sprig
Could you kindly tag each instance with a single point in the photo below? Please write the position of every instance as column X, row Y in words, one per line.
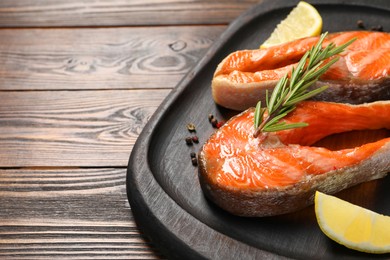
column 291, row 90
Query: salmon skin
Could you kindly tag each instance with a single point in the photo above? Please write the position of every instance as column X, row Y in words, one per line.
column 250, row 176
column 361, row 74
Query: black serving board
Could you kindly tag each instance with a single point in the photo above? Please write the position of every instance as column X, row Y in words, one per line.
column 162, row 184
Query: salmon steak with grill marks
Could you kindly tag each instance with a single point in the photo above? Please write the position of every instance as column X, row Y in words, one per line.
column 360, row 75
column 279, row 172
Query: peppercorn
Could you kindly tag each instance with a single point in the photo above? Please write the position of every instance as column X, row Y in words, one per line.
column 219, row 124
column 188, row 140
column 211, row 117
column 195, row 139
column 191, row 127
column 360, row 24
column 214, row 122
column 193, row 155
column 378, row 28
column 194, row 161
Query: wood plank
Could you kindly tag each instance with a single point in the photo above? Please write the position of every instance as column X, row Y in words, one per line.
column 68, row 128
column 73, row 213
column 108, row 58
column 46, row 13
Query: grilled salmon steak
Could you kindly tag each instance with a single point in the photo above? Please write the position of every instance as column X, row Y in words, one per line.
column 280, row 173
column 360, row 75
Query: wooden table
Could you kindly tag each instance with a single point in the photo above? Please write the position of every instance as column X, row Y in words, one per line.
column 78, row 82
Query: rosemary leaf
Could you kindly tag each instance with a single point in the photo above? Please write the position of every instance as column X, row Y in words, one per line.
column 284, row 126
column 299, row 69
column 275, row 119
column 277, row 90
column 317, row 72
column 304, row 86
column 287, row 109
column 307, row 95
column 259, row 111
column 341, row 48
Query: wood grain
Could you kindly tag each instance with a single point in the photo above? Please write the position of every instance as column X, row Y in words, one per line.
column 72, row 213
column 105, row 58
column 46, row 13
column 67, row 128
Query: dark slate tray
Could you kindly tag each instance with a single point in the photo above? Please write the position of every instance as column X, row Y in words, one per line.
column 162, row 184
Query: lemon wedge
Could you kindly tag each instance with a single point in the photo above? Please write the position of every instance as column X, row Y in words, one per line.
column 303, row 21
column 352, row 226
